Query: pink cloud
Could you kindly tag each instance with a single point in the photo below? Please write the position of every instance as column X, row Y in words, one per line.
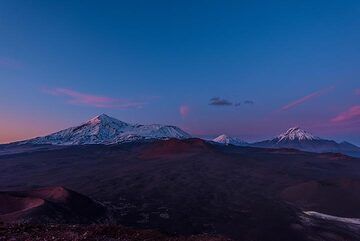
column 184, row 110
column 353, row 113
column 75, row 97
column 306, row 98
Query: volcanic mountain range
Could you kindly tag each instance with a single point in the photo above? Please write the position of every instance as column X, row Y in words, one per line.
column 158, row 177
column 296, row 138
column 107, row 130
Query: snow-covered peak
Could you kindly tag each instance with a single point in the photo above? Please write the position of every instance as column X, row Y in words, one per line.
column 221, row 139
column 295, row 133
column 104, row 129
column 104, row 120
column 101, row 118
column 227, row 140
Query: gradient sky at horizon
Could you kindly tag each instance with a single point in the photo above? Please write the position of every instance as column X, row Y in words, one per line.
column 250, row 69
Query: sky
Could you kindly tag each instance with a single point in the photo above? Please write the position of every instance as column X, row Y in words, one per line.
column 250, row 69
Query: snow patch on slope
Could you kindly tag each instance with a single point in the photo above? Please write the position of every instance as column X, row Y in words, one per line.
column 332, row 218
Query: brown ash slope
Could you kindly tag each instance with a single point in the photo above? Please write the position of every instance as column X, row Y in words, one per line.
column 191, row 186
column 50, row 205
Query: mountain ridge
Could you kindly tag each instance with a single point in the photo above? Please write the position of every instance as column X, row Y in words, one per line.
column 104, row 129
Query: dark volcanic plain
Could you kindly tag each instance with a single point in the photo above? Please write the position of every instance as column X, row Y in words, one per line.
column 186, row 187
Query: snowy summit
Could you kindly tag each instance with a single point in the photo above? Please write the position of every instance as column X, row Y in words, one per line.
column 227, row 140
column 295, row 133
column 104, row 129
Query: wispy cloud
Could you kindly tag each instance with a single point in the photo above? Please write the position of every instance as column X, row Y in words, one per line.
column 184, row 110
column 80, row 98
column 306, row 98
column 220, row 102
column 353, row 113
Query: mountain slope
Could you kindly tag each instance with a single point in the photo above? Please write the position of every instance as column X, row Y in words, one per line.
column 299, row 139
column 227, row 140
column 189, row 186
column 103, row 129
column 49, row 205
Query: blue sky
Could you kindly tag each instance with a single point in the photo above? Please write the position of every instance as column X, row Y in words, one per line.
column 163, row 61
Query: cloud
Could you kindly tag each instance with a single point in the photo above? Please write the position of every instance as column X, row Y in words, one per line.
column 249, row 102
column 357, row 91
column 184, row 110
column 353, row 113
column 224, row 102
column 219, row 102
column 79, row 98
column 306, row 98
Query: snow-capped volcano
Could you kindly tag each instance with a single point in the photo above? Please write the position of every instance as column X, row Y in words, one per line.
column 297, row 138
column 295, row 133
column 227, row 140
column 104, row 129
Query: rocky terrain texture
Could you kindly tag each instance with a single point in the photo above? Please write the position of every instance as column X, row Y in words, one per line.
column 192, row 187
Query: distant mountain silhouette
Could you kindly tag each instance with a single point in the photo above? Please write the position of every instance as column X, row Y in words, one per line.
column 299, row 139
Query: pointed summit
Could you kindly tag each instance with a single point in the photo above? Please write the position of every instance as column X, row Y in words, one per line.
column 295, row 133
column 105, row 119
column 101, row 117
column 227, row 140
